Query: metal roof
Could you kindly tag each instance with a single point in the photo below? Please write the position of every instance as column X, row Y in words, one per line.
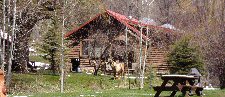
column 124, row 20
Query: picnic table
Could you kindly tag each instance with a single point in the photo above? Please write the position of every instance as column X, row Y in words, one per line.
column 181, row 83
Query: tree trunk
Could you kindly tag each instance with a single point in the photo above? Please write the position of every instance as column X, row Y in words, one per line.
column 96, row 70
column 53, row 67
column 21, row 51
column 223, row 42
column 4, row 29
column 9, row 73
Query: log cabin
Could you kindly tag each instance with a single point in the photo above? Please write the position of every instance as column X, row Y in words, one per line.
column 104, row 37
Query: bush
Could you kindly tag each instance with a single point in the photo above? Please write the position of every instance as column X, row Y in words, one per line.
column 183, row 57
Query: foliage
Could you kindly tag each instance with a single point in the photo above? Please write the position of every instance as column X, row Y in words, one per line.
column 79, row 11
column 183, row 57
column 51, row 45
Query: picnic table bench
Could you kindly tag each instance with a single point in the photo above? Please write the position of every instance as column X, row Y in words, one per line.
column 181, row 83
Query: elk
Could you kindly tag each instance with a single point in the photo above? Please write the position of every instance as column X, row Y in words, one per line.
column 118, row 68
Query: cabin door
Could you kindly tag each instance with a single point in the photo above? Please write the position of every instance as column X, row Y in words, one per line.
column 130, row 59
column 75, row 64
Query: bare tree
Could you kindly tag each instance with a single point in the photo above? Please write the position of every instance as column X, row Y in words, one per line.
column 3, row 36
column 9, row 73
column 62, row 49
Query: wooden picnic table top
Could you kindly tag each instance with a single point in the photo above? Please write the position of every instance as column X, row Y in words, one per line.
column 173, row 75
column 178, row 77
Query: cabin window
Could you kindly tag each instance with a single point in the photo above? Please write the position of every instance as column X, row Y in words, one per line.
column 85, row 47
column 91, row 49
column 95, row 50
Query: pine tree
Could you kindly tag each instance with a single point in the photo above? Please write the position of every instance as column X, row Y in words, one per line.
column 51, row 45
column 183, row 57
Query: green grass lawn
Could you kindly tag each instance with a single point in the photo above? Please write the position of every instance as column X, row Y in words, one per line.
column 79, row 84
column 123, row 93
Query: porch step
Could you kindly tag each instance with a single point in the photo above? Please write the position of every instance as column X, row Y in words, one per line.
column 84, row 61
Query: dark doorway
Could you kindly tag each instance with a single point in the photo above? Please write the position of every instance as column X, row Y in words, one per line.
column 130, row 59
column 75, row 64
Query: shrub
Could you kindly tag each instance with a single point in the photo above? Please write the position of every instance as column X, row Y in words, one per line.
column 183, row 57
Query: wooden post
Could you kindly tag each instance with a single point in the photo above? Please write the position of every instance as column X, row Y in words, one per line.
column 127, row 57
column 143, row 71
column 149, row 49
column 140, row 66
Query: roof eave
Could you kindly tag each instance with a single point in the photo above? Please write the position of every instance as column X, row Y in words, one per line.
column 80, row 27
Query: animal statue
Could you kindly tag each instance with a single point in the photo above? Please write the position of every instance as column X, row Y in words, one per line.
column 2, row 85
column 118, row 69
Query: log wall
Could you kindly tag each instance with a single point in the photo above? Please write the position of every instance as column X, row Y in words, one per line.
column 156, row 57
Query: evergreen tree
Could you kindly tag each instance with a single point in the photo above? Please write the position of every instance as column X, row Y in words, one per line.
column 183, row 57
column 51, row 45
